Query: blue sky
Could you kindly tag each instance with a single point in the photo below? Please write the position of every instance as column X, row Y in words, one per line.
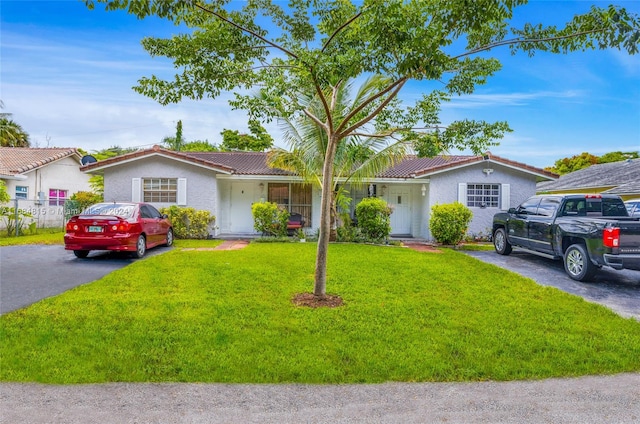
column 66, row 76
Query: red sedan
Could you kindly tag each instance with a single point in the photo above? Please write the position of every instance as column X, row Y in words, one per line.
column 128, row 227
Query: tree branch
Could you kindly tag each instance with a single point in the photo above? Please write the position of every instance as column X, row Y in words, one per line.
column 247, row 30
column 393, row 88
column 522, row 41
column 340, row 28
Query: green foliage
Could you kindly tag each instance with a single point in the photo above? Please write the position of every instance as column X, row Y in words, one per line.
column 14, row 223
column 574, row 163
column 199, row 146
column 112, row 152
column 373, row 219
column 449, row 222
column 585, row 160
column 80, row 201
column 269, row 219
column 618, row 156
column 4, row 196
column 96, row 182
column 189, row 223
column 176, row 142
column 258, row 141
column 227, row 317
column 12, row 134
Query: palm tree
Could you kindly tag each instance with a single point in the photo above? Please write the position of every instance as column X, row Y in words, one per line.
column 12, row 134
column 358, row 158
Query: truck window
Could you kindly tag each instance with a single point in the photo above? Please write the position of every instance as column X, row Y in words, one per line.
column 606, row 207
column 529, row 207
column 613, row 207
column 575, row 207
column 548, row 206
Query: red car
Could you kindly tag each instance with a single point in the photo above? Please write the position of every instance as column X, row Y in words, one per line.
column 128, row 227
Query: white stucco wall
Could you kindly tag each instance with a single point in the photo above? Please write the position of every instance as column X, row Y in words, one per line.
column 443, row 188
column 63, row 174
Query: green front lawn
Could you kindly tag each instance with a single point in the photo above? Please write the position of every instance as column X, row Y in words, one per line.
column 44, row 236
column 227, row 316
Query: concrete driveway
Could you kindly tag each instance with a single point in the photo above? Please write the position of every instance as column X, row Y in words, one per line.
column 34, row 272
column 617, row 290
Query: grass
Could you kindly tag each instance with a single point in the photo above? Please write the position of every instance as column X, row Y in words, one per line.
column 227, row 316
column 44, row 236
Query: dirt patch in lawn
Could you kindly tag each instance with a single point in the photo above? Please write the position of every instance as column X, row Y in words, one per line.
column 310, row 300
column 422, row 247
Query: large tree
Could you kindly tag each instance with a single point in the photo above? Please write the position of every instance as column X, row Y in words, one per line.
column 314, row 47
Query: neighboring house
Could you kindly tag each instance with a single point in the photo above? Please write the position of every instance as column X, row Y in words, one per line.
column 41, row 180
column 621, row 178
column 227, row 183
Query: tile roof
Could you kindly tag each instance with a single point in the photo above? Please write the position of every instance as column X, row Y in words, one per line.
column 17, row 160
column 255, row 163
column 623, row 177
column 243, row 163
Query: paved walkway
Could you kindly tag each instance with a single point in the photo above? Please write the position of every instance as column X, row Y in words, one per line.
column 584, row 400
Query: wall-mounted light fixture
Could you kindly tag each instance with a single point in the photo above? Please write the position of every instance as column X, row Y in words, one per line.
column 487, row 171
column 383, row 190
column 423, row 189
column 261, row 185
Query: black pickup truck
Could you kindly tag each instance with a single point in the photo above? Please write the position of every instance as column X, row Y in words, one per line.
column 586, row 231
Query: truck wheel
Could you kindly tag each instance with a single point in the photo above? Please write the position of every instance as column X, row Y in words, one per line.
column 500, row 242
column 577, row 263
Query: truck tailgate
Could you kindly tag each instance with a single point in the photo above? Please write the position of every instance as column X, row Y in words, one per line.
column 629, row 236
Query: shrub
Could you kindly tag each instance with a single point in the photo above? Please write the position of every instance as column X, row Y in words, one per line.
column 189, row 223
column 449, row 222
column 15, row 226
column 80, row 201
column 373, row 219
column 269, row 219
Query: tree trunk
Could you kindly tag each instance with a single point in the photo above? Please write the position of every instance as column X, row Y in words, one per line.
column 320, row 288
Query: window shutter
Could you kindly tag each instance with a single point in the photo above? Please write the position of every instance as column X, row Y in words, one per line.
column 182, row 192
column 136, row 189
column 462, row 193
column 506, row 196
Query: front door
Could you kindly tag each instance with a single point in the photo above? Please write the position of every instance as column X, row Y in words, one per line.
column 399, row 199
column 240, row 216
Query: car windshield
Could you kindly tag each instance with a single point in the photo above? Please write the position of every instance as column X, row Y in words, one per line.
column 110, row 209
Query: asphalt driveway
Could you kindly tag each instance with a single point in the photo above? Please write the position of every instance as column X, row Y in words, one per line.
column 34, row 272
column 617, row 290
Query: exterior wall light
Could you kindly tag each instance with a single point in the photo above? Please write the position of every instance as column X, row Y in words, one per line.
column 423, row 189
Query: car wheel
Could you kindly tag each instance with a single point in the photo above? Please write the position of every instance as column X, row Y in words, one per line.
column 500, row 242
column 81, row 253
column 169, row 238
column 577, row 263
column 141, row 246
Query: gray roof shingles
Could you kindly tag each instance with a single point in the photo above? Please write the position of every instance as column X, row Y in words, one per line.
column 623, row 177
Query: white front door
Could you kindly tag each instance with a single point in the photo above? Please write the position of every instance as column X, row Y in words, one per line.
column 400, row 200
column 240, row 217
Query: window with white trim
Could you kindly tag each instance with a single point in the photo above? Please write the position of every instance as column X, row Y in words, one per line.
column 483, row 195
column 57, row 197
column 160, row 190
column 22, row 192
